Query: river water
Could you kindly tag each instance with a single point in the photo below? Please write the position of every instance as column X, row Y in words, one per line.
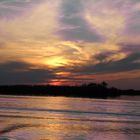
column 61, row 118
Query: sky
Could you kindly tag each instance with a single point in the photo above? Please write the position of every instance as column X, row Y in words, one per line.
column 70, row 42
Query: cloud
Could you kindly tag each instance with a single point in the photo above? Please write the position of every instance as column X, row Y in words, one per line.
column 71, row 39
column 28, row 35
column 100, row 17
column 23, row 73
column 112, row 19
column 10, row 9
column 126, row 64
column 42, row 53
column 72, row 17
column 39, row 23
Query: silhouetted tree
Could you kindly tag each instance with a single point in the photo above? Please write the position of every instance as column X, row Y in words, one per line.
column 91, row 90
column 92, row 85
column 104, row 84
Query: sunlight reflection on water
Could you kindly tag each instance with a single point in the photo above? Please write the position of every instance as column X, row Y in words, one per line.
column 60, row 118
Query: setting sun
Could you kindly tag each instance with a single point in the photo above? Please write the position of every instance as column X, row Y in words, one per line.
column 56, row 62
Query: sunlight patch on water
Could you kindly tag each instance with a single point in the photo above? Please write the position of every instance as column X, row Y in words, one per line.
column 61, row 118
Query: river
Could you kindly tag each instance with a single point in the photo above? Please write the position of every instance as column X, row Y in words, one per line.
column 62, row 118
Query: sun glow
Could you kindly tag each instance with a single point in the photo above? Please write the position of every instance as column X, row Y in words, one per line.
column 63, row 73
column 56, row 61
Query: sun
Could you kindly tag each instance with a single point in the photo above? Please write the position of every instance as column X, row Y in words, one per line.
column 56, row 61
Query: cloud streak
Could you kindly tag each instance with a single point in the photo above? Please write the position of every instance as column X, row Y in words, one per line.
column 23, row 73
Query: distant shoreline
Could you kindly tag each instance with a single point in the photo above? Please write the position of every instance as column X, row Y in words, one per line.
column 84, row 91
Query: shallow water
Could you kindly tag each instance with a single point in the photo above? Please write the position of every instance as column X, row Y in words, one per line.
column 61, row 118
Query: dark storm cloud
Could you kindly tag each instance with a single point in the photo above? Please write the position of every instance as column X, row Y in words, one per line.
column 23, row 73
column 127, row 64
column 76, row 27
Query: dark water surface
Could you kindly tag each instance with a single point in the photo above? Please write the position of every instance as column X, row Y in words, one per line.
column 61, row 118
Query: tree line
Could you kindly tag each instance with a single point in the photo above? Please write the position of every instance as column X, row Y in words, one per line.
column 87, row 90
